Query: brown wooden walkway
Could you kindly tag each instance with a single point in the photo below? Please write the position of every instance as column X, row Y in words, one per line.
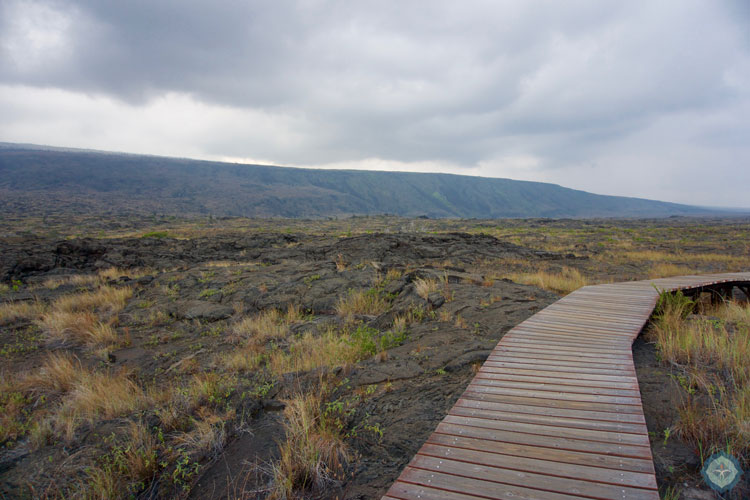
column 555, row 411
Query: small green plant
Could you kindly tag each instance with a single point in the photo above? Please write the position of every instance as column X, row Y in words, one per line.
column 391, row 339
column 375, row 429
column 671, row 493
column 440, row 371
column 261, row 390
column 184, row 471
column 667, row 433
column 172, row 291
column 364, row 339
column 309, row 279
column 208, row 292
column 156, row 234
column 677, row 304
column 206, row 276
column 214, row 331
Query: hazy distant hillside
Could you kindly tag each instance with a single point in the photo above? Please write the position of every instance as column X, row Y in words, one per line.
column 40, row 180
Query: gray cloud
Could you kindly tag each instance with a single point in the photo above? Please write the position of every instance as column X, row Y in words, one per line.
column 566, row 87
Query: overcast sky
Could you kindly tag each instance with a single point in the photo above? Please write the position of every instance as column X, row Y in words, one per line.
column 637, row 98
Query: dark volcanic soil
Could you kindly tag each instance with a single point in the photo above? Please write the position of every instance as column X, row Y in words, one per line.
column 195, row 290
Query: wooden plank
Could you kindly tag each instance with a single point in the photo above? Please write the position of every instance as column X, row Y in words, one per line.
column 594, row 319
column 577, row 423
column 538, row 400
column 584, row 325
column 548, row 386
column 589, row 312
column 408, row 491
column 556, row 368
column 582, row 331
column 556, row 395
column 605, row 377
column 529, row 341
column 616, row 355
column 510, row 477
column 614, row 464
column 576, row 330
column 542, row 337
column 556, row 443
column 542, row 353
column 466, row 485
column 560, row 361
column 593, row 435
column 470, row 400
column 541, row 467
column 630, row 385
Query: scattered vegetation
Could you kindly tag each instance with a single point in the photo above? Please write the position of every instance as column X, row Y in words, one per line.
column 709, row 354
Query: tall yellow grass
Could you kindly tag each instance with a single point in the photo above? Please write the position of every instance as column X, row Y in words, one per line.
column 267, row 324
column 564, row 282
column 361, row 302
column 329, row 349
column 87, row 395
column 313, row 452
column 712, row 363
column 14, row 311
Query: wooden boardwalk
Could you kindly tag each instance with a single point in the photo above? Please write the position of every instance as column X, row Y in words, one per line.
column 555, row 411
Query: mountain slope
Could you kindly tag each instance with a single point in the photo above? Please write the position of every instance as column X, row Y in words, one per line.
column 37, row 179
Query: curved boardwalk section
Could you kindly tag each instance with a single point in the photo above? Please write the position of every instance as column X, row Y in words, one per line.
column 555, row 411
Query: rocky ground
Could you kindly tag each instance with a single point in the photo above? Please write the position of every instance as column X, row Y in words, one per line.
column 188, row 294
column 190, row 291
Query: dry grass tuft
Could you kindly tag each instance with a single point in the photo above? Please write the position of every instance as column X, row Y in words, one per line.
column 425, row 287
column 105, row 300
column 329, row 349
column 207, row 438
column 245, row 359
column 393, row 274
column 367, row 302
column 94, row 396
column 564, row 282
column 313, row 454
column 100, row 278
column 79, row 327
column 86, row 318
column 666, row 270
column 15, row 311
column 341, row 264
column 268, row 324
column 59, row 373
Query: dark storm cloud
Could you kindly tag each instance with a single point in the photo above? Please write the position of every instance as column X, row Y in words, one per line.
column 458, row 82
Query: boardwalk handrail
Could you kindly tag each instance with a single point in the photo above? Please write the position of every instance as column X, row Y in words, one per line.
column 555, row 411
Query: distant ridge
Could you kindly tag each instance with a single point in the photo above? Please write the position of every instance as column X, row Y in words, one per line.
column 41, row 179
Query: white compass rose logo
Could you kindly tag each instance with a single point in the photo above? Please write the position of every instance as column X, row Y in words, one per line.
column 721, row 472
